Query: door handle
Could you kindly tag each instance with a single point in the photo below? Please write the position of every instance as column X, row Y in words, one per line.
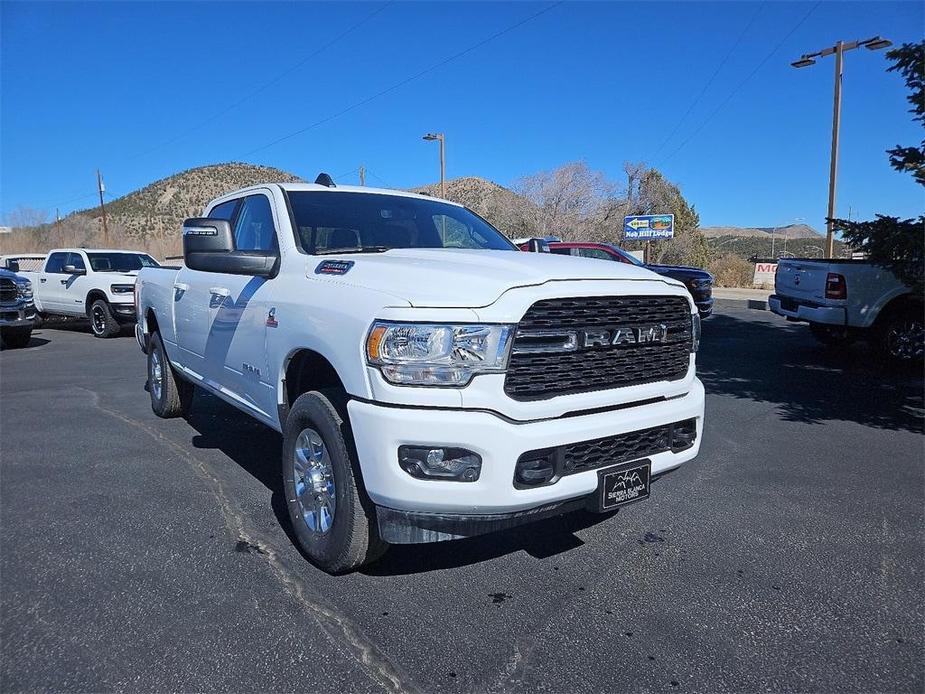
column 219, row 291
column 182, row 287
column 64, row 281
column 42, row 280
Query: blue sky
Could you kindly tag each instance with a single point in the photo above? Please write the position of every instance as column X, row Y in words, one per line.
column 122, row 87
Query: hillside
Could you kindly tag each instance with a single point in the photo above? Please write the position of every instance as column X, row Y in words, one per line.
column 149, row 218
column 750, row 246
column 159, row 208
column 790, row 231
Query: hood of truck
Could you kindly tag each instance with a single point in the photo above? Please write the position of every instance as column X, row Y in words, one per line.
column 457, row 278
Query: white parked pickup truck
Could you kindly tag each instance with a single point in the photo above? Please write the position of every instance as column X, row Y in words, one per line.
column 847, row 299
column 430, row 381
column 93, row 283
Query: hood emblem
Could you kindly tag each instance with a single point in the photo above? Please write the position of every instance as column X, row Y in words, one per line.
column 333, row 267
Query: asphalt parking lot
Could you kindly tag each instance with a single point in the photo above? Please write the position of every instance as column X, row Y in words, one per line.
column 142, row 554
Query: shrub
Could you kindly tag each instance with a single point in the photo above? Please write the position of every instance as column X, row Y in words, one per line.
column 732, row 271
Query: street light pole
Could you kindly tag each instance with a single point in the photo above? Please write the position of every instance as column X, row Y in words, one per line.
column 838, row 50
column 833, row 164
column 441, row 138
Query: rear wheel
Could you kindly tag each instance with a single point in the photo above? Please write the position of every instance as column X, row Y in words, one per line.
column 170, row 396
column 902, row 337
column 830, row 335
column 16, row 337
column 332, row 518
column 102, row 322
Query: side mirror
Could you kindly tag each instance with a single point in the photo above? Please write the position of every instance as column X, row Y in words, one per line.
column 208, row 246
column 71, row 270
column 538, row 246
column 12, row 265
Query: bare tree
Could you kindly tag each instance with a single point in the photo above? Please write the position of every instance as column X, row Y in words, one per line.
column 24, row 216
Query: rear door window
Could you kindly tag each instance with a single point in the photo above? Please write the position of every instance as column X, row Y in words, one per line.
column 595, row 253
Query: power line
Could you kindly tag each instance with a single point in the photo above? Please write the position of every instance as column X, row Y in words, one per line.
column 267, row 85
column 378, row 178
column 742, row 83
column 405, row 81
column 709, row 82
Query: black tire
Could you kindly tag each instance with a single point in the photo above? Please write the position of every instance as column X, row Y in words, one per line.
column 16, row 338
column 102, row 322
column 831, row 335
column 38, row 321
column 352, row 539
column 171, row 396
column 902, row 336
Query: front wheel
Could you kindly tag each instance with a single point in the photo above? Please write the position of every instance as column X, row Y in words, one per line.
column 16, row 337
column 102, row 322
column 334, row 522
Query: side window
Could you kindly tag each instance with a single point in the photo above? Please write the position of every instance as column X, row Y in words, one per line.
column 559, row 250
column 595, row 253
column 224, row 211
column 55, row 262
column 254, row 230
column 77, row 261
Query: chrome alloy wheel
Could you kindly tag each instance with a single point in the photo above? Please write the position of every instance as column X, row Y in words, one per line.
column 99, row 319
column 156, row 375
column 906, row 339
column 314, row 481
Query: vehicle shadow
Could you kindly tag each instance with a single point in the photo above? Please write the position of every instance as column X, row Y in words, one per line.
column 767, row 359
column 257, row 449
column 33, row 343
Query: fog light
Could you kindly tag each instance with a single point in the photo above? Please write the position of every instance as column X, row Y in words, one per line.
column 683, row 435
column 534, row 472
column 452, row 464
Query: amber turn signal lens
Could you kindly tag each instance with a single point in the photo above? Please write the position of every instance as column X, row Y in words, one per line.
column 374, row 340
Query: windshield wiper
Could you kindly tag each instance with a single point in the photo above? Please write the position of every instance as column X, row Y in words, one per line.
column 355, row 249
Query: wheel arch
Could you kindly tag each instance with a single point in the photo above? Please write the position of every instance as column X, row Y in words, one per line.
column 92, row 296
column 303, row 370
column 899, row 304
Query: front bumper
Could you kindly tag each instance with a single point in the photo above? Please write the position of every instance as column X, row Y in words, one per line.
column 124, row 313
column 797, row 310
column 17, row 316
column 379, row 431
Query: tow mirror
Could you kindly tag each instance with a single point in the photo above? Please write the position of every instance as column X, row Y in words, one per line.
column 208, row 246
column 12, row 265
column 71, row 270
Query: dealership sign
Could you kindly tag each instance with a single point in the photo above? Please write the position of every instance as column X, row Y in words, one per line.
column 648, row 227
column 764, row 273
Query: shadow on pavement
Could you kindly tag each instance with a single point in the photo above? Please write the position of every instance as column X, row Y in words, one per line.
column 771, row 360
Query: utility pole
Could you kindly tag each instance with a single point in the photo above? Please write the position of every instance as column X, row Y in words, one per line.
column 838, row 50
column 101, row 187
column 441, row 138
column 362, row 175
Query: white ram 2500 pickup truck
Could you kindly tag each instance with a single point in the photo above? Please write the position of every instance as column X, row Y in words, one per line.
column 847, row 299
column 94, row 283
column 430, row 380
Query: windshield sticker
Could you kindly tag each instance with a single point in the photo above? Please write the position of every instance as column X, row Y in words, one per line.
column 334, row 267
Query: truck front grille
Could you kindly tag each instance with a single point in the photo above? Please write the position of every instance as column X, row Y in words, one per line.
column 7, row 291
column 551, row 355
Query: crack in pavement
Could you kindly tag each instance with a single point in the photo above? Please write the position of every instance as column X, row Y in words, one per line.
column 339, row 629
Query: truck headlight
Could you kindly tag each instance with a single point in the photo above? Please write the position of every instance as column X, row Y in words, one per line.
column 122, row 288
column 24, row 290
column 430, row 354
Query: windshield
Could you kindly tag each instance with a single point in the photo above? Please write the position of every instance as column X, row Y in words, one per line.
column 629, row 257
column 120, row 262
column 370, row 222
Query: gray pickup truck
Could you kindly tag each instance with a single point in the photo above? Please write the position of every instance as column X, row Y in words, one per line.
column 17, row 310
